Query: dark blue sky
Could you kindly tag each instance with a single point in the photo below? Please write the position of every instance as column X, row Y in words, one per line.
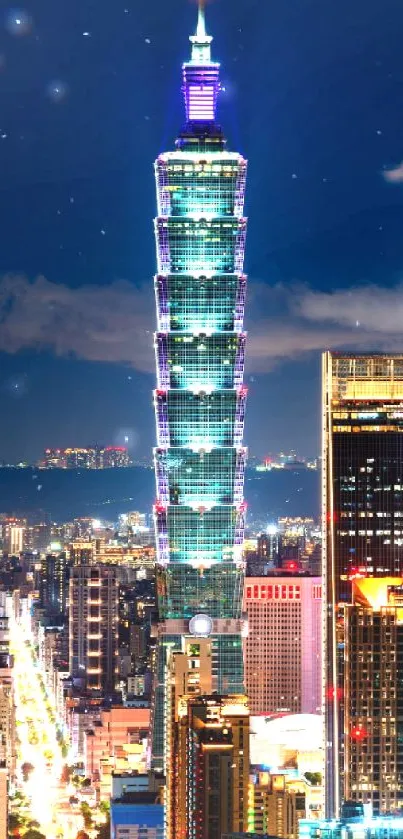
column 89, row 95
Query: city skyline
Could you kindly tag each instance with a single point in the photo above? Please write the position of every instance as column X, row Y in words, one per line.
column 325, row 211
column 178, row 670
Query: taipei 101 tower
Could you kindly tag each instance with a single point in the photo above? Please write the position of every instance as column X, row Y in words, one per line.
column 200, row 398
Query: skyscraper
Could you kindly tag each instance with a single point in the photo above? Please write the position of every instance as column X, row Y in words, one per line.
column 93, row 628
column 213, row 766
column 283, row 647
column 373, row 694
column 363, row 528
column 200, row 398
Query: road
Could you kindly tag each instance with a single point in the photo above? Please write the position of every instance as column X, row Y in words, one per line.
column 38, row 746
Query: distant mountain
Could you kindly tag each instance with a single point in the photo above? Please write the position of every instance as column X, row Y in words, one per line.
column 62, row 495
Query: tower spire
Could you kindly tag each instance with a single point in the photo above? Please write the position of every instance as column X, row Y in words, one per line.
column 201, row 75
column 201, row 52
column 201, row 20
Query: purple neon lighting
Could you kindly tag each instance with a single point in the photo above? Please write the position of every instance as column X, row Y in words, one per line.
column 161, row 294
column 161, row 474
column 163, row 255
column 239, row 476
column 163, row 377
column 240, row 189
column 240, row 362
column 163, row 196
column 240, row 304
column 201, row 86
column 240, row 526
column 160, row 518
column 240, row 246
column 239, row 419
column 161, row 411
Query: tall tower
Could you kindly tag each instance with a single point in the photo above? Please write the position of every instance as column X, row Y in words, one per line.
column 200, row 398
column 362, row 539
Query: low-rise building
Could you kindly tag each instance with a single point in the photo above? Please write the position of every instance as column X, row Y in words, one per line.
column 116, row 741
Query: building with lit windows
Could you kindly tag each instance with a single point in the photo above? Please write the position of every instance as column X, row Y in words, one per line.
column 276, row 804
column 212, row 766
column 200, row 398
column 189, row 673
column 283, row 661
column 373, row 694
column 362, row 537
column 353, row 828
column 93, row 628
column 97, row 457
column 13, row 536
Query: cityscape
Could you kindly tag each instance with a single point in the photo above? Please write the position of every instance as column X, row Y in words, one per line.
column 219, row 653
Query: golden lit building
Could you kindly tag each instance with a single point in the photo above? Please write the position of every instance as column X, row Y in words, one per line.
column 213, row 766
column 373, row 699
column 362, row 538
column 189, row 673
column 276, row 803
column 207, row 748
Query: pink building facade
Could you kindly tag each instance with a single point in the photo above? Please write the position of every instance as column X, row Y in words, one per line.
column 282, row 652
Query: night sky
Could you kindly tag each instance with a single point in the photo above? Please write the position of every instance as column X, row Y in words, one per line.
column 89, row 95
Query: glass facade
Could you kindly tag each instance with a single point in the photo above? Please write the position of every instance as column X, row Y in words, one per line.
column 200, row 401
column 363, row 520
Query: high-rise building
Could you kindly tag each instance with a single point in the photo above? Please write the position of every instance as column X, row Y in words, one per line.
column 93, row 628
column 54, row 585
column 189, row 673
column 276, row 803
column 363, row 529
column 200, row 398
column 373, row 694
column 4, row 834
column 212, row 766
column 13, row 536
column 283, row 661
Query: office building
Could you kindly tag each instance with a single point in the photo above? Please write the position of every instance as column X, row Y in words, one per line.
column 189, row 673
column 283, row 662
column 276, row 804
column 93, row 628
column 373, row 694
column 54, row 585
column 81, row 552
column 13, row 536
column 363, row 531
column 200, row 398
column 212, row 766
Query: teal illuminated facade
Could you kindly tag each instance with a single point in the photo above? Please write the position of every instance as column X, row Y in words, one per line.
column 200, row 398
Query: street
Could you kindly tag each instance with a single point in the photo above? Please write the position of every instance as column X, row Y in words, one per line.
column 39, row 755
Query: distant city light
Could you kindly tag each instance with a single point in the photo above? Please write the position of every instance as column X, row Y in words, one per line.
column 272, row 529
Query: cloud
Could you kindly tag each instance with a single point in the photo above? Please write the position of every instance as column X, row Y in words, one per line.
column 362, row 319
column 115, row 323
column 99, row 323
column 394, row 174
